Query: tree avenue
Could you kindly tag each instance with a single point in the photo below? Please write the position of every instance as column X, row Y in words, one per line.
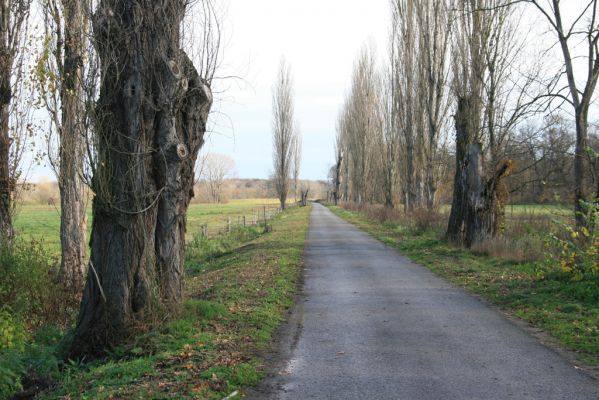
column 151, row 120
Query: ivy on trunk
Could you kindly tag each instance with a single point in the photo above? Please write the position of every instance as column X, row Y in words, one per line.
column 152, row 115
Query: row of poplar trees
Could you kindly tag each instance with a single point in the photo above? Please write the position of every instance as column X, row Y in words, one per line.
column 457, row 67
column 128, row 109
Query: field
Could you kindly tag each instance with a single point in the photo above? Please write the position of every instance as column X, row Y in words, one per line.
column 42, row 222
column 238, row 287
column 522, row 210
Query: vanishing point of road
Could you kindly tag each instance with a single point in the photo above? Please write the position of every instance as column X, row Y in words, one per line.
column 373, row 325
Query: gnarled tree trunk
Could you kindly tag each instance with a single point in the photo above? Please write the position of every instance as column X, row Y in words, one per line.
column 456, row 229
column 152, row 112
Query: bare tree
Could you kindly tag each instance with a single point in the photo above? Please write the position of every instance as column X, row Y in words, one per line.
column 296, row 160
column 492, row 100
column 284, row 132
column 434, row 37
column 581, row 78
column 60, row 75
column 151, row 119
column 336, row 171
column 217, row 168
column 475, row 21
column 360, row 128
column 14, row 17
column 405, row 92
column 390, row 141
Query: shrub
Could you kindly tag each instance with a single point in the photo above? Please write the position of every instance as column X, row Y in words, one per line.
column 29, row 286
column 578, row 248
column 423, row 220
column 517, row 249
column 12, row 333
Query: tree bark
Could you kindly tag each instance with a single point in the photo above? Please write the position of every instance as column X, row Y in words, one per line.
column 579, row 167
column 338, row 166
column 6, row 181
column 153, row 110
column 486, row 201
column 459, row 208
column 72, row 147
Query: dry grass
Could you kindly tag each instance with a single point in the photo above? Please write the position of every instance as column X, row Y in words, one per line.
column 523, row 239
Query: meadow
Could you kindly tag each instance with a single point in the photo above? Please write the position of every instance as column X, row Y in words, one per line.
column 239, row 285
column 42, row 222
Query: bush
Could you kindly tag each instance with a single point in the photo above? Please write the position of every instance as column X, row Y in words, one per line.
column 516, row 249
column 578, row 248
column 12, row 333
column 424, row 220
column 29, row 286
column 31, row 301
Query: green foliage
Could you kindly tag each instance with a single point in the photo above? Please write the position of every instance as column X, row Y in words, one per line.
column 12, row 344
column 26, row 280
column 37, row 357
column 29, row 298
column 12, row 368
column 12, row 333
column 578, row 248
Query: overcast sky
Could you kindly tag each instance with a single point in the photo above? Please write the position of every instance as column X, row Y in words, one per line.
column 320, row 40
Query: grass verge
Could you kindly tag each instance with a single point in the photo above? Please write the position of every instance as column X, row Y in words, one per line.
column 542, row 295
column 238, row 289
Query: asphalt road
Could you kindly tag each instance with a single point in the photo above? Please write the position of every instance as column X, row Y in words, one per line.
column 374, row 325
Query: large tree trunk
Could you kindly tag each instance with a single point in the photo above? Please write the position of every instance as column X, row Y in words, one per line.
column 485, row 210
column 459, row 208
column 72, row 147
column 153, row 109
column 6, row 179
column 478, row 208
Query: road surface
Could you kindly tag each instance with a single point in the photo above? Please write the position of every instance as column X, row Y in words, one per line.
column 373, row 325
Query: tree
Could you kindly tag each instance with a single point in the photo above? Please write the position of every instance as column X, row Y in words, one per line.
column 476, row 201
column 217, row 168
column 359, row 131
column 14, row 17
column 61, row 79
column 581, row 78
column 336, row 170
column 296, row 160
column 151, row 119
column 284, row 132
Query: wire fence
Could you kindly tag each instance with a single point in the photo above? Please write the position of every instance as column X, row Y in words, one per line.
column 258, row 216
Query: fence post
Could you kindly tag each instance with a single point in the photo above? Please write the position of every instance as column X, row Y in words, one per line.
column 265, row 222
column 244, row 221
column 205, row 230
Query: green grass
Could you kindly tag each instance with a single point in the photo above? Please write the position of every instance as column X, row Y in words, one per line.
column 534, row 291
column 42, row 222
column 523, row 210
column 238, row 291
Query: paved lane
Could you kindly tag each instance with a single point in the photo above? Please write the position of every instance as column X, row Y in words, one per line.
column 377, row 326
